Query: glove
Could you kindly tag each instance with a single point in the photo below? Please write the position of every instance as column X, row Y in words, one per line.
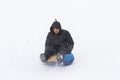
column 59, row 57
column 70, row 47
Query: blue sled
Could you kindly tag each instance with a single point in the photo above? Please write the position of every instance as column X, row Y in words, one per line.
column 68, row 59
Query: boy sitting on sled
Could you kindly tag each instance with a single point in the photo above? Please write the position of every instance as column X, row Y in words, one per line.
column 59, row 42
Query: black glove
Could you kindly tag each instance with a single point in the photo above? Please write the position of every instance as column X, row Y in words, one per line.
column 70, row 47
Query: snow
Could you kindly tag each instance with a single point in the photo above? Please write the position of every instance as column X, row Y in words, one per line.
column 93, row 24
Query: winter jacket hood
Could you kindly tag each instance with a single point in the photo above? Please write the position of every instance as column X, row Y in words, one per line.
column 55, row 24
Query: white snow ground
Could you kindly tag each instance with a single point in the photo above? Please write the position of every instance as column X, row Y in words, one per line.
column 93, row 24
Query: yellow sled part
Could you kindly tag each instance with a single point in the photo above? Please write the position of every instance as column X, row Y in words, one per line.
column 52, row 59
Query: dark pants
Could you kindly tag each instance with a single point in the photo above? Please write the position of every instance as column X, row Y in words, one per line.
column 49, row 51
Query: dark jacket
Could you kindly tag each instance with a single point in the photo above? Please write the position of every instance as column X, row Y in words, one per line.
column 62, row 41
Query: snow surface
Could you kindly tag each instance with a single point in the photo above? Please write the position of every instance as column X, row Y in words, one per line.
column 93, row 24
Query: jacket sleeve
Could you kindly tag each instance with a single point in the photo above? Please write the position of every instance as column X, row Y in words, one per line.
column 70, row 42
column 47, row 43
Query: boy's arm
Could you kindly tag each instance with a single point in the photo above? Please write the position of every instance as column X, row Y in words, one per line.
column 70, row 42
column 47, row 43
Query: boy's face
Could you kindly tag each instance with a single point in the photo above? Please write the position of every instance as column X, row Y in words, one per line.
column 56, row 30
